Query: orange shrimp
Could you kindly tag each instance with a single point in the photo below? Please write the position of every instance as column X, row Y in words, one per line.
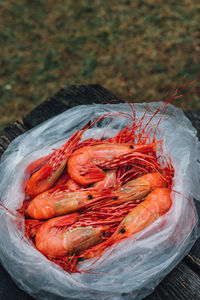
column 156, row 204
column 139, row 187
column 84, row 165
column 34, row 166
column 60, row 201
column 46, row 176
column 54, row 239
column 132, row 191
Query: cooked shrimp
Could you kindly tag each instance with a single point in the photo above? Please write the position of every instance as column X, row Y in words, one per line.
column 139, row 187
column 34, row 166
column 54, row 239
column 84, row 165
column 156, row 204
column 46, row 176
column 60, row 201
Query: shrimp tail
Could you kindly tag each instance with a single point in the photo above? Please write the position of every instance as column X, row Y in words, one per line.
column 66, row 220
column 94, row 175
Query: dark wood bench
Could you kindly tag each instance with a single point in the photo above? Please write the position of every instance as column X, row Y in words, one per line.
column 184, row 281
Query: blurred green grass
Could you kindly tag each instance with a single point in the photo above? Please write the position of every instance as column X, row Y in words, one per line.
column 46, row 45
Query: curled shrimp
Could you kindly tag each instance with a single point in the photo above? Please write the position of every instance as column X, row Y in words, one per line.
column 47, row 175
column 85, row 164
column 60, row 201
column 55, row 239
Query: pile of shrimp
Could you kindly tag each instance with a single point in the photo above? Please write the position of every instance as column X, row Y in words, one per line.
column 90, row 194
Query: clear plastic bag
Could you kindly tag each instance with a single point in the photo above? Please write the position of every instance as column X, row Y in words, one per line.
column 130, row 269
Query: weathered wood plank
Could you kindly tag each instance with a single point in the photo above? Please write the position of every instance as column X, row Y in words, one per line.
column 193, row 257
column 65, row 99
column 9, row 290
column 10, row 133
column 182, row 283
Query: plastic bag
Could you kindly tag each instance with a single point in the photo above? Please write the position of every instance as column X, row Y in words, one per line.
column 133, row 267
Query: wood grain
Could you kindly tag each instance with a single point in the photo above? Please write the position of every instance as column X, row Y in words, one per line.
column 9, row 134
column 193, row 257
column 67, row 98
column 181, row 284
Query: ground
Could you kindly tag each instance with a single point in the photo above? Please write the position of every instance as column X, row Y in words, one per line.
column 146, row 47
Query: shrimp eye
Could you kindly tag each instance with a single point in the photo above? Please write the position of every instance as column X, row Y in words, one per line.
column 103, row 233
column 131, row 147
column 115, row 198
column 80, row 259
column 90, row 197
column 123, row 230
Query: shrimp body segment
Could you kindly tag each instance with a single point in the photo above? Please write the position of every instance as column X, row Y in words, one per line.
column 54, row 239
column 156, row 204
column 47, row 175
column 84, row 165
column 58, row 202
column 139, row 187
column 109, row 180
column 68, row 182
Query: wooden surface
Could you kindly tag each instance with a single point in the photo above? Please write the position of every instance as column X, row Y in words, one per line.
column 184, row 281
column 65, row 99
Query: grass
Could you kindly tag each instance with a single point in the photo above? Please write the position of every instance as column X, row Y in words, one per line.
column 46, row 45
